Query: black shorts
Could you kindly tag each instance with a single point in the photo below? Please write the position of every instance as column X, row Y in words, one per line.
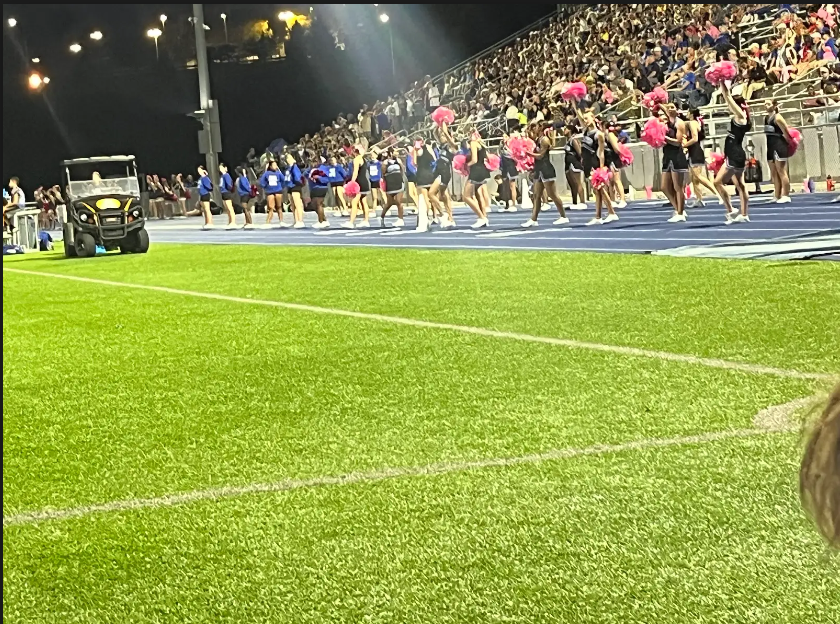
column 589, row 163
column 244, row 199
column 445, row 174
column 374, row 184
column 696, row 156
column 544, row 170
column 736, row 157
column 674, row 160
column 204, row 198
column 318, row 192
column 411, row 177
column 394, row 184
column 335, row 184
column 226, row 196
column 573, row 165
column 509, row 171
column 777, row 149
column 295, row 189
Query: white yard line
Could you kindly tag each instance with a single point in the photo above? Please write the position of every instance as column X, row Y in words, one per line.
column 466, row 329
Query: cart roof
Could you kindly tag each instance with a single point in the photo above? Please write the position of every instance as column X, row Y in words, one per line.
column 96, row 159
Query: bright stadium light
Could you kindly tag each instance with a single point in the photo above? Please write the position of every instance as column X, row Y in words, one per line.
column 154, row 33
column 163, row 21
column 286, row 16
column 96, row 35
column 224, row 19
column 75, row 48
column 46, row 80
column 12, row 22
column 34, row 80
column 384, row 18
column 36, row 60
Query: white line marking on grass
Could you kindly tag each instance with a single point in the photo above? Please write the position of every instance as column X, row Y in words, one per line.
column 373, row 476
column 466, row 329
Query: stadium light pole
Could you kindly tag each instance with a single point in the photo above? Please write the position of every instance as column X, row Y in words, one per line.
column 154, row 33
column 383, row 17
column 210, row 142
column 163, row 19
column 224, row 20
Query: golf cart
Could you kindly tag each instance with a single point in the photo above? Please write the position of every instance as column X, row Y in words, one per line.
column 104, row 206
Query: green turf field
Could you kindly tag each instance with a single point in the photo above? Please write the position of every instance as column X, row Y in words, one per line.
column 355, row 469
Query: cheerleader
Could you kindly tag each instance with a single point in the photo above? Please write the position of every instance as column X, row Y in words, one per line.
column 337, row 174
column 374, row 168
column 205, row 188
column 226, row 187
column 443, row 173
column 736, row 158
column 777, row 134
column 425, row 180
column 573, row 166
column 293, row 186
column 272, row 182
column 358, row 174
column 243, row 191
column 695, row 135
column 392, row 171
column 545, row 175
column 411, row 180
column 318, row 179
column 674, row 162
column 613, row 158
column 510, row 174
column 475, row 192
column 592, row 144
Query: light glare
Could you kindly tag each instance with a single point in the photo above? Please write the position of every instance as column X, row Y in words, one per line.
column 75, row 48
column 384, row 18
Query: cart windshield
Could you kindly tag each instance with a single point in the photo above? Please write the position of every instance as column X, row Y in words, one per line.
column 102, row 178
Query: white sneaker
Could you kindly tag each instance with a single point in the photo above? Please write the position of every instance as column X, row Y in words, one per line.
column 698, row 204
column 208, row 226
column 501, row 209
column 742, row 219
column 480, row 223
column 783, row 200
column 734, row 213
column 677, row 218
column 595, row 221
column 545, row 207
column 529, row 223
column 421, row 228
column 348, row 226
column 336, row 212
column 611, row 217
column 233, row 226
column 399, row 223
column 561, row 221
column 449, row 224
column 283, row 224
column 690, row 203
column 299, row 225
column 729, row 220
column 577, row 207
column 512, row 208
column 364, row 224
column 345, row 213
column 320, row 225
column 248, row 226
column 621, row 204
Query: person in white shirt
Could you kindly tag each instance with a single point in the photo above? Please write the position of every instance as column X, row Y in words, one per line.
column 434, row 96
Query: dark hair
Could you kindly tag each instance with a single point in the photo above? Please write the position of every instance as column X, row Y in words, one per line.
column 740, row 101
column 240, row 170
column 15, row 179
column 695, row 113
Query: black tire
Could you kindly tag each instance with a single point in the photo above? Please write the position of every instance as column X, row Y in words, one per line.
column 135, row 242
column 69, row 251
column 85, row 245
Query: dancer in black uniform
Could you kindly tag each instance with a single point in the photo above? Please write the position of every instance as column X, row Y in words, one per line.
column 475, row 194
column 392, row 173
column 736, row 157
column 674, row 163
column 778, row 135
column 440, row 189
column 509, row 174
column 360, row 175
column 573, row 166
column 695, row 135
column 613, row 161
column 592, row 143
column 545, row 174
column 424, row 160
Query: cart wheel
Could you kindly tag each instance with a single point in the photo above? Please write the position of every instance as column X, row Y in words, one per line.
column 69, row 251
column 142, row 241
column 85, row 246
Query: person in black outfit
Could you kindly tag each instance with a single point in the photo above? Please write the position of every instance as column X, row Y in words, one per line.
column 736, row 157
column 674, row 163
column 777, row 134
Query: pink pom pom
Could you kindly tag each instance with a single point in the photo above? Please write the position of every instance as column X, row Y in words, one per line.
column 609, row 96
column 654, row 133
column 442, row 115
column 521, row 149
column 716, row 162
column 625, row 155
column 649, row 103
column 660, row 95
column 459, row 164
column 721, row 71
column 492, row 162
column 600, row 177
column 352, row 189
column 574, row 91
column 795, row 140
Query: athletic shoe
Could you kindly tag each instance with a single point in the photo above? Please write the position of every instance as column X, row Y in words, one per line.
column 677, row 218
column 364, row 224
column 545, row 207
column 320, row 225
column 336, row 212
column 248, row 226
column 690, row 203
column 208, row 226
column 561, row 221
column 512, row 208
column 729, row 220
column 529, row 223
column 502, row 209
column 345, row 213
column 577, row 207
column 283, row 224
column 448, row 224
column 421, row 228
column 734, row 213
column 610, row 218
column 783, row 200
column 698, row 204
column 742, row 219
column 299, row 225
column 480, row 223
column 595, row 221
column 835, row 200
column 399, row 223
column 621, row 204
column 347, row 225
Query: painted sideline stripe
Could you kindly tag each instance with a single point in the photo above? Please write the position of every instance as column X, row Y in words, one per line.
column 373, row 476
column 466, row 329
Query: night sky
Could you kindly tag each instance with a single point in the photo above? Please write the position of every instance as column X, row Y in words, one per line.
column 115, row 98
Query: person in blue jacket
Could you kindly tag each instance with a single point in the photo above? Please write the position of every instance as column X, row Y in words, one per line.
column 337, row 174
column 243, row 193
column 411, row 180
column 374, row 167
column 273, row 182
column 318, row 178
column 226, row 187
column 294, row 185
column 205, row 188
